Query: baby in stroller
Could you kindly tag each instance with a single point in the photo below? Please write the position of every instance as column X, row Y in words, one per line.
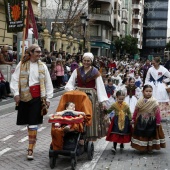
column 67, row 119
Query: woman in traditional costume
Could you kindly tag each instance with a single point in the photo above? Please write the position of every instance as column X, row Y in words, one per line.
column 148, row 133
column 119, row 130
column 154, row 77
column 89, row 77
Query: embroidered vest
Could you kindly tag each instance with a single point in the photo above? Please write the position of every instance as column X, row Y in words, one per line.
column 87, row 80
column 25, row 94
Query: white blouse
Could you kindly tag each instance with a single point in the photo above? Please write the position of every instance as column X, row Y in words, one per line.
column 101, row 92
column 33, row 79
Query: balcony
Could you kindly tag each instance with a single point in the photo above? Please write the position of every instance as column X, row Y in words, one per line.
column 136, row 6
column 136, row 26
column 116, row 33
column 139, row 46
column 136, row 16
column 124, row 18
column 95, row 38
column 136, row 36
column 104, row 15
column 109, row 1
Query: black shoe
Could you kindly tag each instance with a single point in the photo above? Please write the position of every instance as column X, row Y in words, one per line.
column 3, row 97
column 121, row 146
column 114, row 150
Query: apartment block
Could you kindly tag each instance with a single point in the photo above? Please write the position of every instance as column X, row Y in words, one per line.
column 137, row 21
column 155, row 28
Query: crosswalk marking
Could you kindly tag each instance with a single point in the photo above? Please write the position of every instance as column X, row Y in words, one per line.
column 6, row 138
column 25, row 128
column 40, row 129
column 23, row 139
column 4, row 151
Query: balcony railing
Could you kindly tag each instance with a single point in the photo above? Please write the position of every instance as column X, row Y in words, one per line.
column 136, row 26
column 95, row 38
column 103, row 12
column 103, row 15
column 136, row 36
column 136, row 6
column 136, row 16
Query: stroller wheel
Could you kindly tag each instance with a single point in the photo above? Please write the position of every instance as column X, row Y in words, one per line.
column 73, row 163
column 90, row 150
column 52, row 162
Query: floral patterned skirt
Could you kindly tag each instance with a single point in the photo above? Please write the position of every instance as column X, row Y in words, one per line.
column 165, row 110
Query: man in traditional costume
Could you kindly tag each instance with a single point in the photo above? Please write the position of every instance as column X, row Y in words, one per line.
column 89, row 77
column 31, row 85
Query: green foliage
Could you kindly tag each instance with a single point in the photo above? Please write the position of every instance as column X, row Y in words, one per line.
column 168, row 46
column 127, row 45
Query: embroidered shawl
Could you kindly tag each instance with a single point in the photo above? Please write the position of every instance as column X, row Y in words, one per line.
column 147, row 107
column 121, row 111
column 25, row 94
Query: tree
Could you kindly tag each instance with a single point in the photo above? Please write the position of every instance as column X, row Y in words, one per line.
column 66, row 15
column 127, row 45
column 168, row 46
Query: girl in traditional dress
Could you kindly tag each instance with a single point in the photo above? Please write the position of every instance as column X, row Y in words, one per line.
column 131, row 91
column 154, row 77
column 110, row 88
column 119, row 130
column 148, row 133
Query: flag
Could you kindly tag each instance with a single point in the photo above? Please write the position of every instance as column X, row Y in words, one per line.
column 14, row 11
column 30, row 22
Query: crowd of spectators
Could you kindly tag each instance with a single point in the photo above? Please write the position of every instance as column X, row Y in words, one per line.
column 62, row 64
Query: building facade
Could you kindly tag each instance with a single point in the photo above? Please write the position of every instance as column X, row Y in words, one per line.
column 10, row 38
column 154, row 28
column 101, row 13
column 137, row 21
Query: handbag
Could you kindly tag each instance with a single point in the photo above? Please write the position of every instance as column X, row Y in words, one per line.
column 35, row 91
column 44, row 107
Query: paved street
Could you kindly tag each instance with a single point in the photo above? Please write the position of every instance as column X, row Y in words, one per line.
column 14, row 141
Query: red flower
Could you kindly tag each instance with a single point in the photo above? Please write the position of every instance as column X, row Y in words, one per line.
column 159, row 73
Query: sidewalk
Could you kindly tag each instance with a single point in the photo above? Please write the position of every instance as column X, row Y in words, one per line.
column 131, row 159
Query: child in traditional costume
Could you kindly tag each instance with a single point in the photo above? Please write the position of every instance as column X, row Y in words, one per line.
column 148, row 133
column 132, row 92
column 110, row 88
column 119, row 130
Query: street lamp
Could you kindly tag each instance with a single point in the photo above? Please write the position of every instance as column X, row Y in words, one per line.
column 84, row 21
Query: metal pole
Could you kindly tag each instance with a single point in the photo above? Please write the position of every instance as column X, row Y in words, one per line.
column 84, row 37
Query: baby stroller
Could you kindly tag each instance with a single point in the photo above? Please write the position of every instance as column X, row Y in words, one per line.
column 70, row 140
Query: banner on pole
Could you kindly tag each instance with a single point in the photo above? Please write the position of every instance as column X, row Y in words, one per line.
column 14, row 11
column 31, row 23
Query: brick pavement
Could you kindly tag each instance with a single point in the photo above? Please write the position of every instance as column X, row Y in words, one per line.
column 131, row 159
column 13, row 145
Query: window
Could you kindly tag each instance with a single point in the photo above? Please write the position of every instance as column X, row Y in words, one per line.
column 94, row 30
column 114, row 25
column 96, row 9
